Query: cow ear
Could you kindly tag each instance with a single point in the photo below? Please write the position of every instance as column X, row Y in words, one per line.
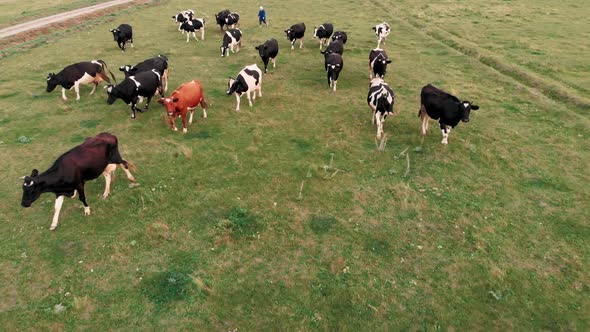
column 175, row 100
column 34, row 173
column 160, row 101
column 388, row 60
column 257, row 47
column 474, row 107
column 374, row 28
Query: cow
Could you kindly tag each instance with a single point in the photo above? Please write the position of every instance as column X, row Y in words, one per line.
column 184, row 99
column 341, row 35
column 296, row 31
column 182, row 17
column 193, row 25
column 335, row 46
column 232, row 20
column 447, row 109
column 231, row 39
column 134, row 88
column 268, row 50
column 248, row 80
column 72, row 76
column 122, row 35
column 378, row 61
column 380, row 99
column 220, row 18
column 333, row 64
column 68, row 174
column 323, row 33
column 382, row 30
column 159, row 64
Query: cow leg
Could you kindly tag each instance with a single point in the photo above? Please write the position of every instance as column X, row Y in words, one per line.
column 238, row 102
column 293, row 44
column 424, row 118
column 379, row 125
column 132, row 110
column 195, row 36
column 274, row 62
column 203, row 33
column 184, row 129
column 445, row 130
column 63, row 94
column 58, row 203
column 171, row 118
column 82, row 198
column 192, row 110
column 335, row 82
column 93, row 88
column 204, row 107
column 107, row 173
column 260, row 90
column 188, row 36
column 301, row 43
column 77, row 89
column 147, row 104
column 131, row 41
column 250, row 98
column 125, row 169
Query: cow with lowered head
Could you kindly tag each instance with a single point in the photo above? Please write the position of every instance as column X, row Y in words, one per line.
column 183, row 100
column 296, row 31
column 192, row 26
column 378, row 62
column 72, row 76
column 68, row 174
column 268, row 50
column 248, row 80
column 232, row 40
column 335, row 46
column 446, row 108
column 182, row 17
column 123, row 34
column 340, row 35
column 134, row 88
column 220, row 18
column 159, row 64
column 323, row 33
column 232, row 20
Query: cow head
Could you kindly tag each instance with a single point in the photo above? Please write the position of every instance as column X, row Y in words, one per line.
column 169, row 104
column 465, row 107
column 380, row 66
column 51, row 82
column 261, row 49
column 115, row 33
column 315, row 32
column 232, row 86
column 31, row 189
column 126, row 69
column 113, row 93
column 290, row 34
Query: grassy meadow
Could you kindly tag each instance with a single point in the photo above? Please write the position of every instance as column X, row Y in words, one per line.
column 285, row 216
column 15, row 11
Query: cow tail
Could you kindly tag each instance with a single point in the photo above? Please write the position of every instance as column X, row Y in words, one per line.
column 131, row 166
column 204, row 103
column 106, row 69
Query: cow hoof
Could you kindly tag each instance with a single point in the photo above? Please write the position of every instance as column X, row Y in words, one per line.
column 86, row 211
column 175, row 129
column 444, row 142
column 184, row 130
column 105, row 195
column 52, row 228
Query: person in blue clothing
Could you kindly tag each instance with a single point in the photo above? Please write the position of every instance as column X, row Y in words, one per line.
column 262, row 16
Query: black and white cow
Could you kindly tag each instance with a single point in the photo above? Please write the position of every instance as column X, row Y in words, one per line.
column 122, row 35
column 341, row 35
column 446, row 108
column 382, row 30
column 159, row 64
column 378, row 61
column 232, row 20
column 232, row 38
column 72, row 76
column 182, row 17
column 192, row 26
column 296, row 31
column 323, row 33
column 248, row 80
column 134, row 88
column 68, row 174
column 220, row 18
column 335, row 46
column 380, row 99
column 333, row 64
column 268, row 50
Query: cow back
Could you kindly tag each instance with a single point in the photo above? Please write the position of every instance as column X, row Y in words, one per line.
column 189, row 94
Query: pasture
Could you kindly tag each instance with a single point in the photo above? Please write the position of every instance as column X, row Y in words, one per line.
column 14, row 11
column 285, row 216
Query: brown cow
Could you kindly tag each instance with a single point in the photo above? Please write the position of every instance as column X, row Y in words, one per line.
column 184, row 99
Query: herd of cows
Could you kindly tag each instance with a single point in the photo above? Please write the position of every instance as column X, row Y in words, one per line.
column 100, row 155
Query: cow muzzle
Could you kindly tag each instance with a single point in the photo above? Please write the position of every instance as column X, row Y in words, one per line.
column 465, row 120
column 25, row 204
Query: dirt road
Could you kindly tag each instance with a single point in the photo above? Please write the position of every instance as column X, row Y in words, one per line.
column 39, row 23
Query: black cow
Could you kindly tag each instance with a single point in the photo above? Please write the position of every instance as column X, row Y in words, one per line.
column 220, row 18
column 182, row 17
column 122, row 35
column 74, row 75
column 296, row 31
column 231, row 39
column 232, row 20
column 268, row 50
column 323, row 33
column 193, row 25
column 134, row 88
column 378, row 61
column 341, row 35
column 446, row 108
column 335, row 46
column 333, row 64
column 159, row 64
column 68, row 174
column 380, row 99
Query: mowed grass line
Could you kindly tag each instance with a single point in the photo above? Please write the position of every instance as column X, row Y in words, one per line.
column 487, row 232
column 14, row 12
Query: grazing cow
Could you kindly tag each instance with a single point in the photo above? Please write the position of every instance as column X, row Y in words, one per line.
column 248, row 80
column 184, row 99
column 220, row 18
column 333, row 64
column 382, row 30
column 323, row 33
column 68, row 174
column 335, row 46
column 159, row 64
column 231, row 39
column 378, row 61
column 447, row 109
column 296, row 31
column 232, row 20
column 380, row 99
column 134, row 88
column 193, row 25
column 122, row 35
column 74, row 75
column 182, row 17
column 341, row 35
column 268, row 50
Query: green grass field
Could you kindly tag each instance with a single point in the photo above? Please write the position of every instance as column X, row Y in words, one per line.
column 285, row 216
column 15, row 11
